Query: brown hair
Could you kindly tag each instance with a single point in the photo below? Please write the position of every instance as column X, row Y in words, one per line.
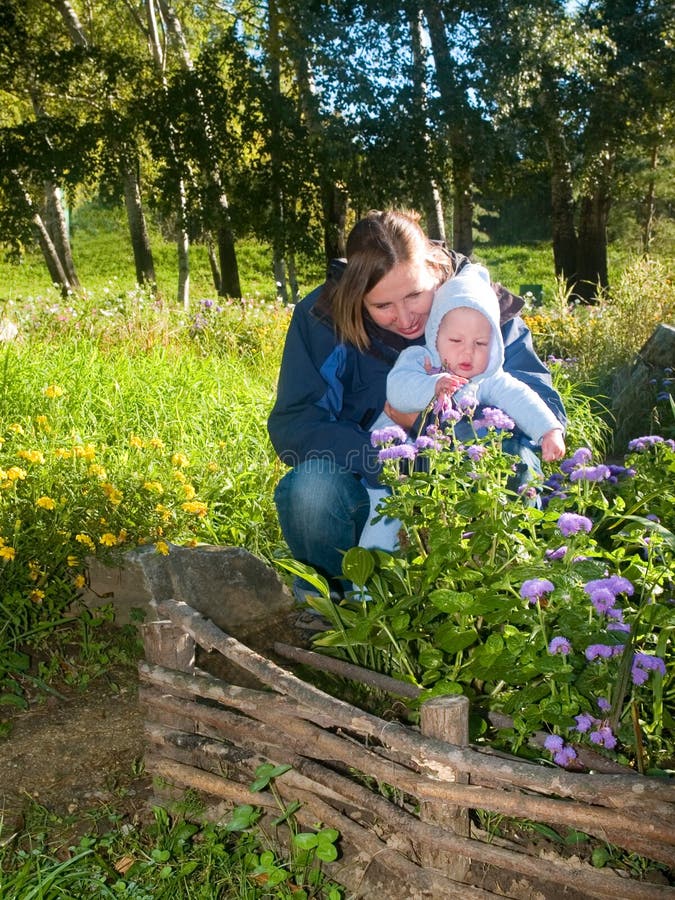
column 375, row 245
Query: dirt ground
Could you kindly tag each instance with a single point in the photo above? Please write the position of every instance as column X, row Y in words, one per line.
column 76, row 754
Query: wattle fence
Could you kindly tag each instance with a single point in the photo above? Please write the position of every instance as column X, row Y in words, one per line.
column 399, row 795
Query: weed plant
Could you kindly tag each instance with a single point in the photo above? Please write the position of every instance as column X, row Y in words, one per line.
column 177, row 857
column 124, row 423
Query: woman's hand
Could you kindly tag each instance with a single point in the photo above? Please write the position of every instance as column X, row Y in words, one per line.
column 553, row 445
column 404, row 420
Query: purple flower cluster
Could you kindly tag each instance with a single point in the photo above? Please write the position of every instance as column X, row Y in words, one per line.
column 603, row 593
column 555, row 555
column 535, row 589
column 563, row 754
column 495, row 418
column 572, row 523
column 603, row 651
column 647, row 441
column 643, row 664
column 560, row 645
column 476, row 452
column 383, row 436
column 602, row 735
column 398, row 451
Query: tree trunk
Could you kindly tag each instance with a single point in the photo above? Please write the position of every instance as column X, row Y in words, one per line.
column 140, row 240
column 57, row 225
column 456, row 117
column 334, row 204
column 649, row 204
column 562, row 205
column 592, row 248
column 213, row 264
column 229, row 271
column 432, row 203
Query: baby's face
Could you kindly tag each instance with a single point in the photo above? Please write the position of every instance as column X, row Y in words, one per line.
column 463, row 341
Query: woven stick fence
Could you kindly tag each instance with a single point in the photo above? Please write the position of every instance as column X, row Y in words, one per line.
column 210, row 736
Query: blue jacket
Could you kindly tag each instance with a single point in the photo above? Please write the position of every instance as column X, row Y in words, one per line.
column 329, row 393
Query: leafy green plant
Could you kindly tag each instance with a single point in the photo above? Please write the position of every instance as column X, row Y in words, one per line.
column 560, row 617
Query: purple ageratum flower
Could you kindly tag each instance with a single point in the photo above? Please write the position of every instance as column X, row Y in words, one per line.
column 563, row 754
column 382, row 436
column 443, row 408
column 398, row 451
column 584, row 722
column 467, row 403
column 555, row 555
column 590, row 473
column 579, row 458
column 603, row 600
column 560, row 645
column 603, row 737
column 534, row 589
column 643, row 664
column 639, row 445
column 600, row 651
column 604, row 704
column 571, row 523
column 476, row 452
column 495, row 418
column 424, row 442
column 619, row 626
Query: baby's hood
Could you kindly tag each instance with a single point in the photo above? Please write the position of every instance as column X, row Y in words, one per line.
column 471, row 287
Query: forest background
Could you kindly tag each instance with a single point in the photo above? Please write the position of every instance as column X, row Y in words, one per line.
column 221, row 122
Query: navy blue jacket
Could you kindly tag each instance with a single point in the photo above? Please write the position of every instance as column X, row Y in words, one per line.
column 329, row 393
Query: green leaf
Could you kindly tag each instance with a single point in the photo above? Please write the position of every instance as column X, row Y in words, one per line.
column 327, row 852
column 452, row 640
column 358, row 565
column 242, row 818
column 307, row 840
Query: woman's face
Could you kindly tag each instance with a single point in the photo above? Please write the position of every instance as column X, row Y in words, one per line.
column 401, row 300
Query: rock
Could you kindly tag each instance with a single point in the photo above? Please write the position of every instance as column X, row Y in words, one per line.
column 235, row 589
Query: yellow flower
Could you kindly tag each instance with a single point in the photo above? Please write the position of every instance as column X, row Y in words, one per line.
column 108, row 539
column 72, row 561
column 154, row 487
column 86, row 540
column 112, row 493
column 37, row 596
column 45, row 503
column 97, row 471
column 63, row 453
column 43, row 423
column 179, row 476
column 34, row 456
column 196, row 507
column 7, row 553
column 156, row 443
column 15, row 428
column 162, row 547
column 213, row 467
column 79, row 581
column 180, row 460
column 52, row 391
column 135, row 441
column 189, row 491
column 122, row 536
column 163, row 511
column 33, row 569
column 14, row 473
column 87, row 452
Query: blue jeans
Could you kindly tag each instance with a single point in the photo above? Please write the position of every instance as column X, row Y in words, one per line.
column 322, row 511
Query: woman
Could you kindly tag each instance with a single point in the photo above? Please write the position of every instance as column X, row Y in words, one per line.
column 343, row 339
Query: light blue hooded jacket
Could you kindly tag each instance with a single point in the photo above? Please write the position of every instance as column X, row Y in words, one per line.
column 411, row 388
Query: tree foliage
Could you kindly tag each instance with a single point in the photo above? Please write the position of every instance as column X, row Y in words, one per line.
column 286, row 119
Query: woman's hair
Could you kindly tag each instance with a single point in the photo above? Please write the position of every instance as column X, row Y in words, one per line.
column 375, row 245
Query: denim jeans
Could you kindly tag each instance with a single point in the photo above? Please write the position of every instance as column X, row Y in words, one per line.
column 322, row 511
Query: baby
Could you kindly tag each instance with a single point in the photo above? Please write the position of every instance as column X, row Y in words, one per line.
column 463, row 356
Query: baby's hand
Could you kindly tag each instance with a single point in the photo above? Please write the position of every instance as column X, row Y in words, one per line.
column 448, row 384
column 553, row 445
